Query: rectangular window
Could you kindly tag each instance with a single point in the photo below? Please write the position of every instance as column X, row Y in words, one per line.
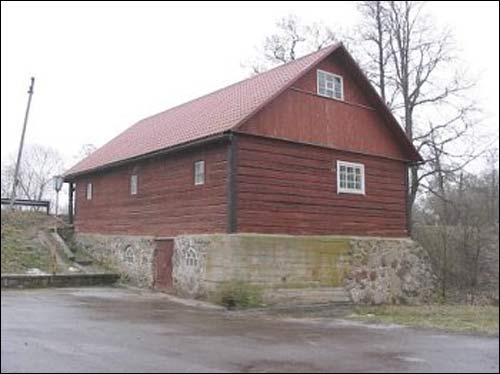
column 133, row 184
column 350, row 177
column 199, row 173
column 330, row 85
column 89, row 191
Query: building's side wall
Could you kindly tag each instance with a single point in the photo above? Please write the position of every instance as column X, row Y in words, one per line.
column 167, row 204
column 301, row 115
column 285, row 187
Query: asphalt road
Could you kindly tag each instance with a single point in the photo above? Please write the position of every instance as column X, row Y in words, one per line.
column 119, row 330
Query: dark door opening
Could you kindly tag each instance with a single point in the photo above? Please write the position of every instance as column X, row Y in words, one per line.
column 163, row 264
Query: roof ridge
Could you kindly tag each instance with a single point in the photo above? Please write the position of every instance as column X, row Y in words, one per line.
column 239, row 82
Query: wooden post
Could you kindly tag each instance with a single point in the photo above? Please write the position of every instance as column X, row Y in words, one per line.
column 70, row 202
column 20, row 151
column 407, row 201
column 232, row 162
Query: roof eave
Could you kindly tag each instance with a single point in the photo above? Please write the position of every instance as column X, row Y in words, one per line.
column 214, row 138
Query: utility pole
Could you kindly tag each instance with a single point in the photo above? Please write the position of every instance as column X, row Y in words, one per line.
column 19, row 153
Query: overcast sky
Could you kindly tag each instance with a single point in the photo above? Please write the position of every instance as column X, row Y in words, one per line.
column 100, row 67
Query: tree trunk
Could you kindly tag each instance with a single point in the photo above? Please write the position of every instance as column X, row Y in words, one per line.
column 381, row 64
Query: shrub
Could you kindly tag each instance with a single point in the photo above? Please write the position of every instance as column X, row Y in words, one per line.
column 238, row 295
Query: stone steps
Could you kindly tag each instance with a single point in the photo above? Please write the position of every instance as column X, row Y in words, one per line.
column 83, row 261
column 306, row 296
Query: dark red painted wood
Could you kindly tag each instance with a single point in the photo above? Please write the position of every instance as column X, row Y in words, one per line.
column 300, row 115
column 163, row 264
column 167, row 204
column 285, row 187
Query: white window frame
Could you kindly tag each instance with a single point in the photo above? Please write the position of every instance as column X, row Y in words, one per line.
column 134, row 184
column 318, row 72
column 88, row 191
column 199, row 175
column 346, row 189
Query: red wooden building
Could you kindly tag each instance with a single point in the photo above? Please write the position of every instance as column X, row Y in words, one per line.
column 306, row 148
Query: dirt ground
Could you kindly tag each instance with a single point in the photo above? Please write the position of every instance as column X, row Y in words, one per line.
column 123, row 330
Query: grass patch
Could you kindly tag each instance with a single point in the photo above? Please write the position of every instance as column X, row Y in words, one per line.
column 20, row 248
column 456, row 318
column 238, row 295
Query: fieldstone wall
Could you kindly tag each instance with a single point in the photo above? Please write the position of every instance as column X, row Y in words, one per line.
column 388, row 271
column 131, row 256
column 190, row 264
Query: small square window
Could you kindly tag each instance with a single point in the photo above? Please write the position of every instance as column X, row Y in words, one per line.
column 89, row 191
column 350, row 177
column 330, row 85
column 199, row 173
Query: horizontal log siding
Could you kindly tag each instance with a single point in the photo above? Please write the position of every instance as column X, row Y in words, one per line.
column 286, row 187
column 299, row 114
column 168, row 203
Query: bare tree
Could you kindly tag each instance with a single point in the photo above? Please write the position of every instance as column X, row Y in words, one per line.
column 374, row 31
column 416, row 68
column 291, row 40
column 38, row 166
column 85, row 151
column 6, row 181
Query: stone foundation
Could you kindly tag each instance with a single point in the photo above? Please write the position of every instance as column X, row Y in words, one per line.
column 372, row 270
column 130, row 256
column 385, row 271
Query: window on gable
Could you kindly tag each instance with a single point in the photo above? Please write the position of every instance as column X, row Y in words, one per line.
column 330, row 85
column 89, row 191
column 350, row 177
column 199, row 173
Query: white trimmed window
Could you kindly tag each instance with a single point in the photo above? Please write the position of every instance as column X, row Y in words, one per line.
column 133, row 184
column 350, row 177
column 330, row 85
column 89, row 191
column 199, row 173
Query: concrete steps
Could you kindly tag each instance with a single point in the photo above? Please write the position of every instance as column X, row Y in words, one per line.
column 57, row 280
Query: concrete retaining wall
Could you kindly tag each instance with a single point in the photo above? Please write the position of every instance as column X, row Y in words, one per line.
column 202, row 262
column 58, row 280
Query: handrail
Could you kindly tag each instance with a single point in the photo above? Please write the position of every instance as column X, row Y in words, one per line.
column 27, row 202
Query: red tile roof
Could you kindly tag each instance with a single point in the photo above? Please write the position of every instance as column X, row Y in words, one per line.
column 219, row 112
column 208, row 115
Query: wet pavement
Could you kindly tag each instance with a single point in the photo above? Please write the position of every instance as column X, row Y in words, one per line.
column 120, row 330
